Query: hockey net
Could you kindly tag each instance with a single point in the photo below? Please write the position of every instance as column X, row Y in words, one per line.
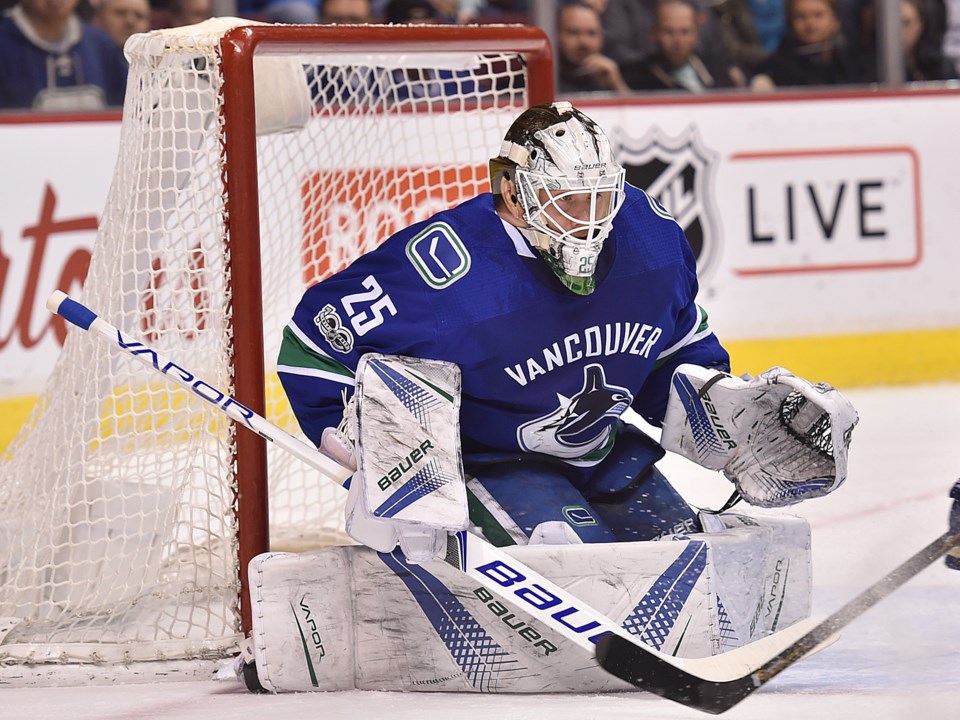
column 254, row 161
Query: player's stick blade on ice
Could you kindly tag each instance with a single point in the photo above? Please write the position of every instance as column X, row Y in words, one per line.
column 716, row 695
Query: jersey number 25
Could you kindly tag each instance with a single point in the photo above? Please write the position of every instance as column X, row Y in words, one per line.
column 366, row 309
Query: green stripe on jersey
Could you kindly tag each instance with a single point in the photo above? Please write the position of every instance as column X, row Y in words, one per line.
column 702, row 327
column 296, row 354
column 484, row 520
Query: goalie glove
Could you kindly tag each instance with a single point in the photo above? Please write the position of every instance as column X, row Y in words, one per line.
column 777, row 437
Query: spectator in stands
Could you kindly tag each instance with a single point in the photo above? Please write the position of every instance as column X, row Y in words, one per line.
column 738, row 35
column 770, row 19
column 347, row 85
column 923, row 44
column 628, row 27
column 599, row 5
column 122, row 18
column 51, row 60
column 924, row 59
column 858, row 24
column 674, row 64
column 814, row 51
column 951, row 37
column 420, row 84
column 412, row 12
column 346, row 12
column 189, row 12
column 583, row 67
column 293, row 12
column 454, row 10
column 464, row 11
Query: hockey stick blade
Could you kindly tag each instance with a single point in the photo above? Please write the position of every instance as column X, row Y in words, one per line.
column 713, row 685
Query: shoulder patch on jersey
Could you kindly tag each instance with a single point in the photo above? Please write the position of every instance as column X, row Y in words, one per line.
column 330, row 325
column 438, row 255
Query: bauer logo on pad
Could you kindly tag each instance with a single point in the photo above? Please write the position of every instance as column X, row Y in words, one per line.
column 438, row 255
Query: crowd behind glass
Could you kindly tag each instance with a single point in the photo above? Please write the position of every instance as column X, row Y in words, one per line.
column 66, row 55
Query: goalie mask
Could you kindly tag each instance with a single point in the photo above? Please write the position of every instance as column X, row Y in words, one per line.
column 568, row 185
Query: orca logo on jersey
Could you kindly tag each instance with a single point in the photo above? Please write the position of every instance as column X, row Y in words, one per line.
column 677, row 174
column 582, row 425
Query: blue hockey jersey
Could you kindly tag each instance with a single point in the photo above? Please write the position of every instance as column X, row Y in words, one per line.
column 88, row 57
column 544, row 370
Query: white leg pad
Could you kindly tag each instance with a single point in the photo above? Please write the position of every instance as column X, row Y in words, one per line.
column 303, row 624
column 351, row 618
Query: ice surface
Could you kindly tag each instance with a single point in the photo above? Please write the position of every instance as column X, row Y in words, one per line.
column 900, row 661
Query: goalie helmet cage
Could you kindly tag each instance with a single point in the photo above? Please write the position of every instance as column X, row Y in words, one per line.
column 254, row 160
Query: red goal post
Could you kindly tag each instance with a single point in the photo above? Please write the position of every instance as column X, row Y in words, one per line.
column 239, row 47
column 253, row 161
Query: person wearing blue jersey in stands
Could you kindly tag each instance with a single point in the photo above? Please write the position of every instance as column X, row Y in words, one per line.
column 565, row 296
column 51, row 60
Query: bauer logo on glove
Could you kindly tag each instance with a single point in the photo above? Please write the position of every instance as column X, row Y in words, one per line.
column 779, row 438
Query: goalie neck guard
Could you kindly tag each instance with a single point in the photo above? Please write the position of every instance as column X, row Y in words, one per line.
column 568, row 184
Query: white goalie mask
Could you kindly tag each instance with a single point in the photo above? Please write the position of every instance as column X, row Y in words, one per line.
column 569, row 186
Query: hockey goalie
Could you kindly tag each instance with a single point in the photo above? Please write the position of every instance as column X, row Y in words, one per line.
column 473, row 371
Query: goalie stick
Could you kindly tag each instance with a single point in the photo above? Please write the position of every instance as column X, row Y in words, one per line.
column 493, row 568
column 688, row 682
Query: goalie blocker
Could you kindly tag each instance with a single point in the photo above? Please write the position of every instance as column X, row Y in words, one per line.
column 351, row 618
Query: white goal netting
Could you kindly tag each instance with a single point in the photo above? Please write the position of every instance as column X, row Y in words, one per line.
column 119, row 522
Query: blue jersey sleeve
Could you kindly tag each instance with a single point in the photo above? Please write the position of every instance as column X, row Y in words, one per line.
column 694, row 342
column 371, row 306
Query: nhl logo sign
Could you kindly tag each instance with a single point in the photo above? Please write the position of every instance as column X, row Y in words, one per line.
column 678, row 172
